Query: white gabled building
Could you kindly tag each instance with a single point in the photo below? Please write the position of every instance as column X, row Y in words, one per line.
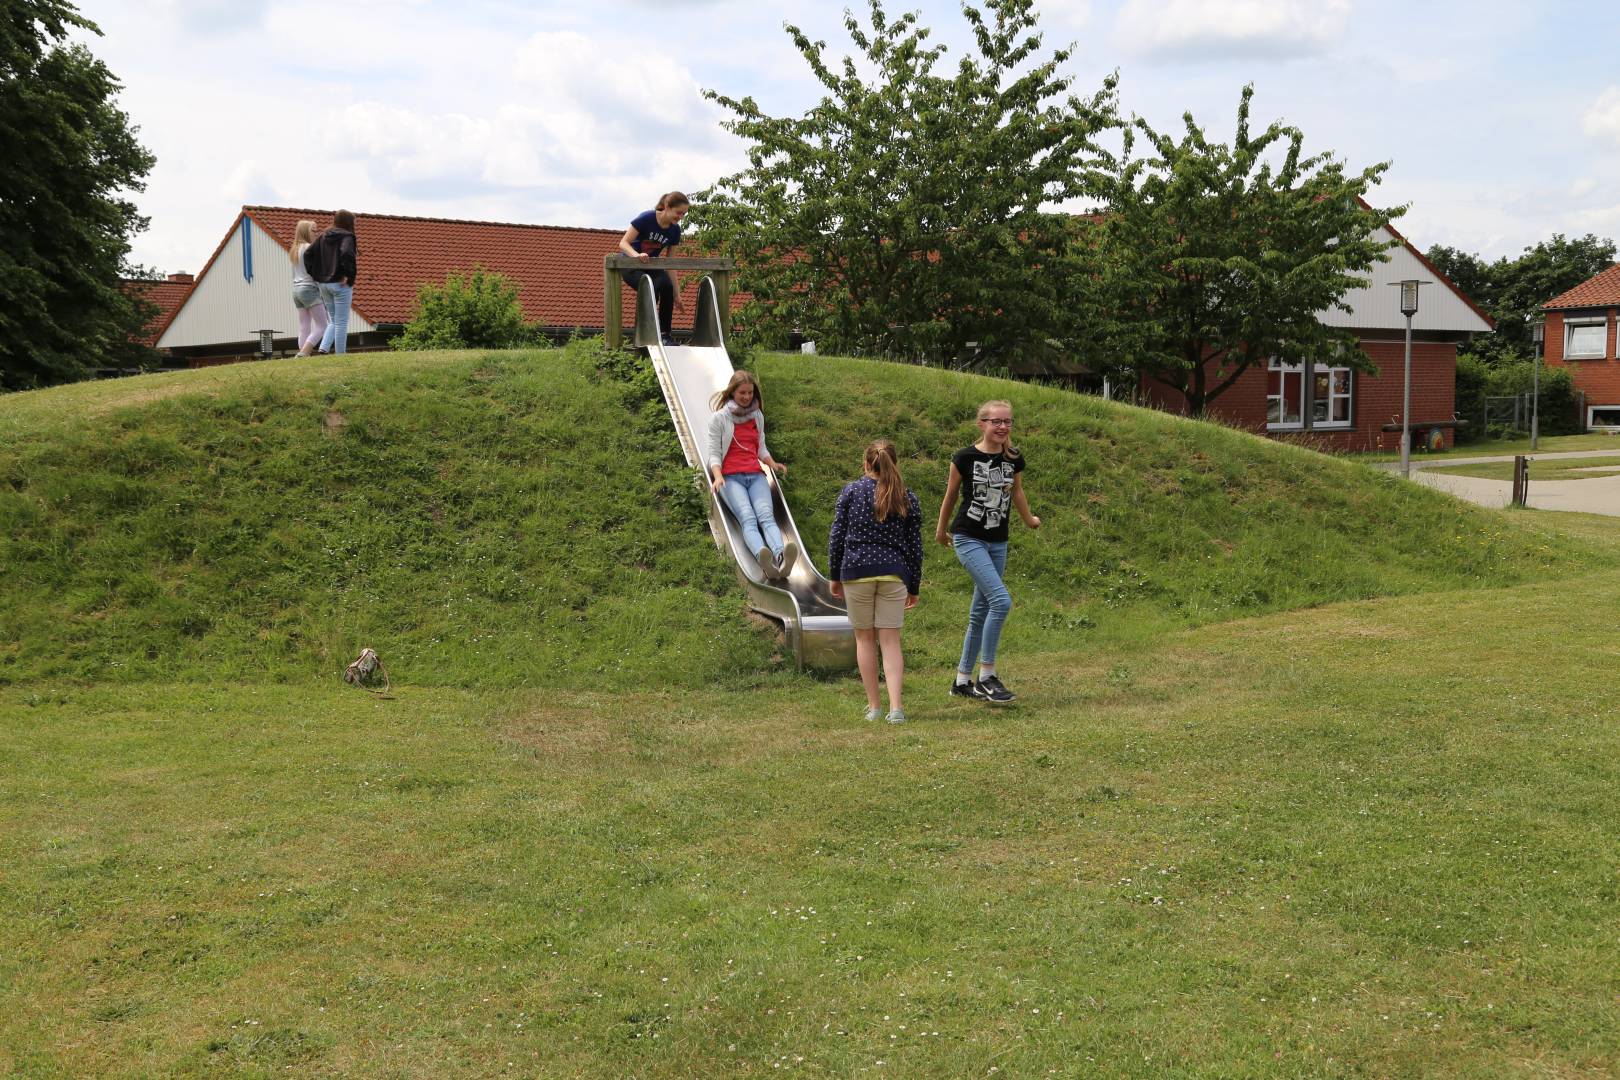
column 245, row 287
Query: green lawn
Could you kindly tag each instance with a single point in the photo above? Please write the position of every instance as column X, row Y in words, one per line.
column 1314, row 772
column 1371, row 839
column 1549, row 444
column 1581, row 468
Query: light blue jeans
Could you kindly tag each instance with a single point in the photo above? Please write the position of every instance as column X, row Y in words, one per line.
column 749, row 496
column 985, row 561
column 336, row 297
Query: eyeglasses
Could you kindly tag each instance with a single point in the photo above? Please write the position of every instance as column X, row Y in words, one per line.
column 996, row 420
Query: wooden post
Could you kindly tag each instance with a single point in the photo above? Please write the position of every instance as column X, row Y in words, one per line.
column 1521, row 480
column 613, row 270
column 612, row 303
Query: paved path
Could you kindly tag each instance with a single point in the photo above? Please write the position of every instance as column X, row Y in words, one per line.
column 1598, row 495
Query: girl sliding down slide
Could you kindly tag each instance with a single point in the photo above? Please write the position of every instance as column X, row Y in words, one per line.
column 736, row 450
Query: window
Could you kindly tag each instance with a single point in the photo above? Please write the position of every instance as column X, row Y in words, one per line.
column 1285, row 387
column 1329, row 398
column 1586, row 339
column 1603, row 418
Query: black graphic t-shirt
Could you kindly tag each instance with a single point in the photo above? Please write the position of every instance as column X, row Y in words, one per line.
column 987, row 482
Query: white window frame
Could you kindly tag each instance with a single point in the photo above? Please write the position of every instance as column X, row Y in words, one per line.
column 1297, row 370
column 1307, row 396
column 1609, row 424
column 1586, row 322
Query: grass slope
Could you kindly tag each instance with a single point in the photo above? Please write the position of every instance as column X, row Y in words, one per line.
column 519, row 519
column 1370, row 838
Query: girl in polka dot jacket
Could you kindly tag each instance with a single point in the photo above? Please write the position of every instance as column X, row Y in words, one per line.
column 874, row 553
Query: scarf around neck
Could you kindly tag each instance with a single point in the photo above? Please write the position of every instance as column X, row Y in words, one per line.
column 739, row 416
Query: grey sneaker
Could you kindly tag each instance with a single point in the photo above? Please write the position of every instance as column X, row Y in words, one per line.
column 790, row 555
column 874, row 712
column 991, row 690
column 767, row 562
column 897, row 716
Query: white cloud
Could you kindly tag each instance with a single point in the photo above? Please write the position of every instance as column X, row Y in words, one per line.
column 1224, row 29
column 213, row 17
column 569, row 115
column 1602, row 119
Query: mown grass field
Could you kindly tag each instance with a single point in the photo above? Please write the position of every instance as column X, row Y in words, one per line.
column 1338, row 801
column 1518, row 445
column 1576, row 468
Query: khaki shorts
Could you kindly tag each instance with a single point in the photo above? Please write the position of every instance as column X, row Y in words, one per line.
column 876, row 603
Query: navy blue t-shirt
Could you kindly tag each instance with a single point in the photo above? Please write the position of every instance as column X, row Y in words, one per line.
column 653, row 238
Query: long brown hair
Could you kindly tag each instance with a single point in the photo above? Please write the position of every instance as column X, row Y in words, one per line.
column 884, row 467
column 343, row 220
column 738, row 377
column 1007, row 448
column 672, row 199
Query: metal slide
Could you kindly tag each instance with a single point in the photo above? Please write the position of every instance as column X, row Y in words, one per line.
column 814, row 622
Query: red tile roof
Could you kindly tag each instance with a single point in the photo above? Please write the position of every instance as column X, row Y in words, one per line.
column 558, row 270
column 167, row 295
column 1601, row 290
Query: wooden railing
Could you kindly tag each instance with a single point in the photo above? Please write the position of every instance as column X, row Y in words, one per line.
column 617, row 265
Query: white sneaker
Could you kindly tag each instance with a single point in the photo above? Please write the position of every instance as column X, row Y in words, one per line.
column 790, row 555
column 897, row 716
column 874, row 712
column 767, row 562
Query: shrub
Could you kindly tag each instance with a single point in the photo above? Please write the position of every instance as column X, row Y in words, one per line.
column 1477, row 380
column 477, row 311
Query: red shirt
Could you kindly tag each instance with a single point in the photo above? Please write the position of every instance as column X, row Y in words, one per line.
column 742, row 456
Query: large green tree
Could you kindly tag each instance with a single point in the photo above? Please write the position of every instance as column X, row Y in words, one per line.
column 910, row 212
column 68, row 161
column 1218, row 257
column 1513, row 290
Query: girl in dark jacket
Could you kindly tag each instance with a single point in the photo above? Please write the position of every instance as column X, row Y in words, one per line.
column 874, row 553
column 335, row 255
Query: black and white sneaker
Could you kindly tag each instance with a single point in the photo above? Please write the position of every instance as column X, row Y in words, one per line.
column 969, row 690
column 991, row 690
column 790, row 555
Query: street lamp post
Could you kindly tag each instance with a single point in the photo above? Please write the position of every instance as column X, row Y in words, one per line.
column 1409, row 306
column 1538, row 335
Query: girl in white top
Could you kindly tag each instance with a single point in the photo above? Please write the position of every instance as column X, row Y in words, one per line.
column 737, row 460
column 306, row 296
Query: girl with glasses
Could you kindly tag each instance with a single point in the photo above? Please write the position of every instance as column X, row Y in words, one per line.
column 988, row 478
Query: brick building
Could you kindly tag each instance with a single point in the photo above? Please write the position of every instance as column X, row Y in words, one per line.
column 1581, row 335
column 1331, row 406
column 246, row 283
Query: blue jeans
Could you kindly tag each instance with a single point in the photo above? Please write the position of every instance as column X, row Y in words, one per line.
column 749, row 496
column 336, row 297
column 985, row 561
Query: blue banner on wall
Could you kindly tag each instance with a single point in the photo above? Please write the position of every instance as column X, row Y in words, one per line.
column 247, row 249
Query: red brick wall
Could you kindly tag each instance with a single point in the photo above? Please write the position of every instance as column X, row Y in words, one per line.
column 1375, row 399
column 1599, row 380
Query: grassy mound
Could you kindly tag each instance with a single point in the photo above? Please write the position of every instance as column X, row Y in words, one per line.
column 525, row 518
